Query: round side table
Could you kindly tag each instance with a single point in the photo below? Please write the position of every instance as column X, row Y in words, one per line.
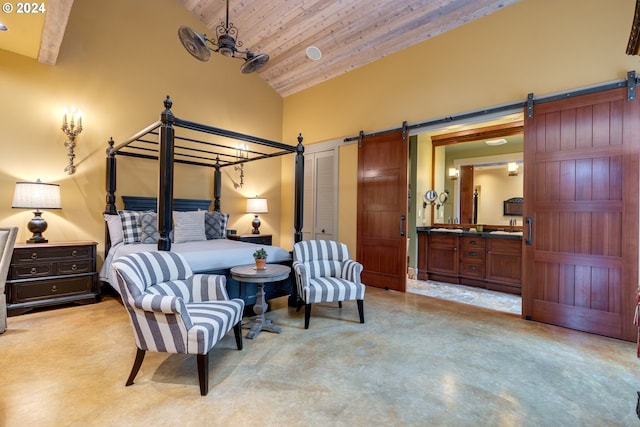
column 249, row 274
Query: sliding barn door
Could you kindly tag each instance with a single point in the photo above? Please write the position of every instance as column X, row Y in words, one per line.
column 581, row 213
column 382, row 210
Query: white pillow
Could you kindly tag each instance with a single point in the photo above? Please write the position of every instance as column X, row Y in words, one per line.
column 188, row 226
column 114, row 225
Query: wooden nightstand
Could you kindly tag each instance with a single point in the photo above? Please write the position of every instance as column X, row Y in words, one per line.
column 260, row 239
column 51, row 273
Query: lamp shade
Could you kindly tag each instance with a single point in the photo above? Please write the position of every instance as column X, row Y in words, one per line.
column 36, row 195
column 257, row 205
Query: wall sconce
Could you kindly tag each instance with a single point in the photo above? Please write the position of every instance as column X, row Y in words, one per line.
column 36, row 195
column 512, row 168
column 453, row 174
column 72, row 129
column 256, row 205
column 242, row 154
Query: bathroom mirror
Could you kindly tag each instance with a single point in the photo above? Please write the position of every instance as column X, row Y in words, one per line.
column 480, row 169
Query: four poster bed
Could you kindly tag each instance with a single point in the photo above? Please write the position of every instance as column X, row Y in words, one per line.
column 189, row 226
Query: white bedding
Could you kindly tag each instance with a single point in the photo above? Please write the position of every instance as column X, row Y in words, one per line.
column 204, row 255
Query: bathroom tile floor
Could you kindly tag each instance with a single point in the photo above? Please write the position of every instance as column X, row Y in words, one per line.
column 478, row 297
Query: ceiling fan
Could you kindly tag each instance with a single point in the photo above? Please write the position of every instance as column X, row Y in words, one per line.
column 226, row 44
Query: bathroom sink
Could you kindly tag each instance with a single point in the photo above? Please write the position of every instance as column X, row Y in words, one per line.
column 450, row 230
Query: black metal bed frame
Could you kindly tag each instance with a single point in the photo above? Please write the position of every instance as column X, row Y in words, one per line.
column 195, row 151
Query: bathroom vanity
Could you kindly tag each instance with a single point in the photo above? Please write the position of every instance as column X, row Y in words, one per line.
column 490, row 259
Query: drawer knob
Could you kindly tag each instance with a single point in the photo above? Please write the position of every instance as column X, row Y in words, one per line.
column 54, row 288
column 34, row 255
column 34, row 270
column 473, row 253
column 74, row 267
column 74, row 253
column 472, row 267
column 473, row 242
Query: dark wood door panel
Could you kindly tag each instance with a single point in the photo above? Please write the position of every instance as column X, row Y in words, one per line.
column 581, row 195
column 382, row 210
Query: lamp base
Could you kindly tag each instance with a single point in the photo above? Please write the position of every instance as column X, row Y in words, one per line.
column 37, row 239
column 256, row 225
column 37, row 226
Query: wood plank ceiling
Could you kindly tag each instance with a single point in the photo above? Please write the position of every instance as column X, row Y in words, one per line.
column 349, row 33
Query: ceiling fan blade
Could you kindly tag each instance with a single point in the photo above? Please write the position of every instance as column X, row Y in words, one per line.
column 194, row 42
column 254, row 62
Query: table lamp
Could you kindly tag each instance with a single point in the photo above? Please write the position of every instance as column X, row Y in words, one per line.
column 36, row 195
column 256, row 205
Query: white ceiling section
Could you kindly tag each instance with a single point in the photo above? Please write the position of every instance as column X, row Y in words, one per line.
column 349, row 33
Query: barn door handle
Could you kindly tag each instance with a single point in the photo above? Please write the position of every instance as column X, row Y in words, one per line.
column 529, row 239
column 402, row 218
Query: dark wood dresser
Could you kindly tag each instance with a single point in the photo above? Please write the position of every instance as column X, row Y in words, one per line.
column 48, row 274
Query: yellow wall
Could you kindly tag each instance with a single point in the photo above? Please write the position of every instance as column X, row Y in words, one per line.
column 539, row 46
column 118, row 61
column 120, row 58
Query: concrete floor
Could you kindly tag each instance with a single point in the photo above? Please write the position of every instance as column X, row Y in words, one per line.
column 417, row 361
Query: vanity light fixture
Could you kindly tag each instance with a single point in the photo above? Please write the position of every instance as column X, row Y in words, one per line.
column 512, row 168
column 72, row 129
column 494, row 142
column 453, row 174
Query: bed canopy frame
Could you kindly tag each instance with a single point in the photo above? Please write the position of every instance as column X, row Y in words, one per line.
column 191, row 148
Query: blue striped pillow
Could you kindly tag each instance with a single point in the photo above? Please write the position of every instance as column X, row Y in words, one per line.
column 188, row 226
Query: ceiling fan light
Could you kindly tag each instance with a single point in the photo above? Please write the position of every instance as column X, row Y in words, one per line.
column 226, row 45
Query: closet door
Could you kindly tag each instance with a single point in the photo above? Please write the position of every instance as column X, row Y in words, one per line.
column 321, row 194
column 581, row 213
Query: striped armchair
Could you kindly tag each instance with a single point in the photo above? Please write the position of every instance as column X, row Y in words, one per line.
column 175, row 311
column 325, row 273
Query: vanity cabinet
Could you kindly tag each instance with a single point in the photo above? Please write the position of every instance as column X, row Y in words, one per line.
column 504, row 265
column 474, row 259
column 442, row 254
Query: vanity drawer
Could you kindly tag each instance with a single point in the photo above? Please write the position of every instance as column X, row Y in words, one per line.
column 471, row 242
column 472, row 269
column 473, row 254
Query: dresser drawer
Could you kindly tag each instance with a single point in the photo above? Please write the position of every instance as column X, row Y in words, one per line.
column 35, row 254
column 74, row 267
column 53, row 288
column 31, row 271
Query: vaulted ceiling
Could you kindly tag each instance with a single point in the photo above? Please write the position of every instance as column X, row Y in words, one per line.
column 349, row 33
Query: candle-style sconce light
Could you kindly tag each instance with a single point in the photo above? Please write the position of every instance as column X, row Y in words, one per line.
column 242, row 154
column 72, row 129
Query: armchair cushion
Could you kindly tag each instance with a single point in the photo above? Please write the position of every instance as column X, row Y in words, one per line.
column 331, row 289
